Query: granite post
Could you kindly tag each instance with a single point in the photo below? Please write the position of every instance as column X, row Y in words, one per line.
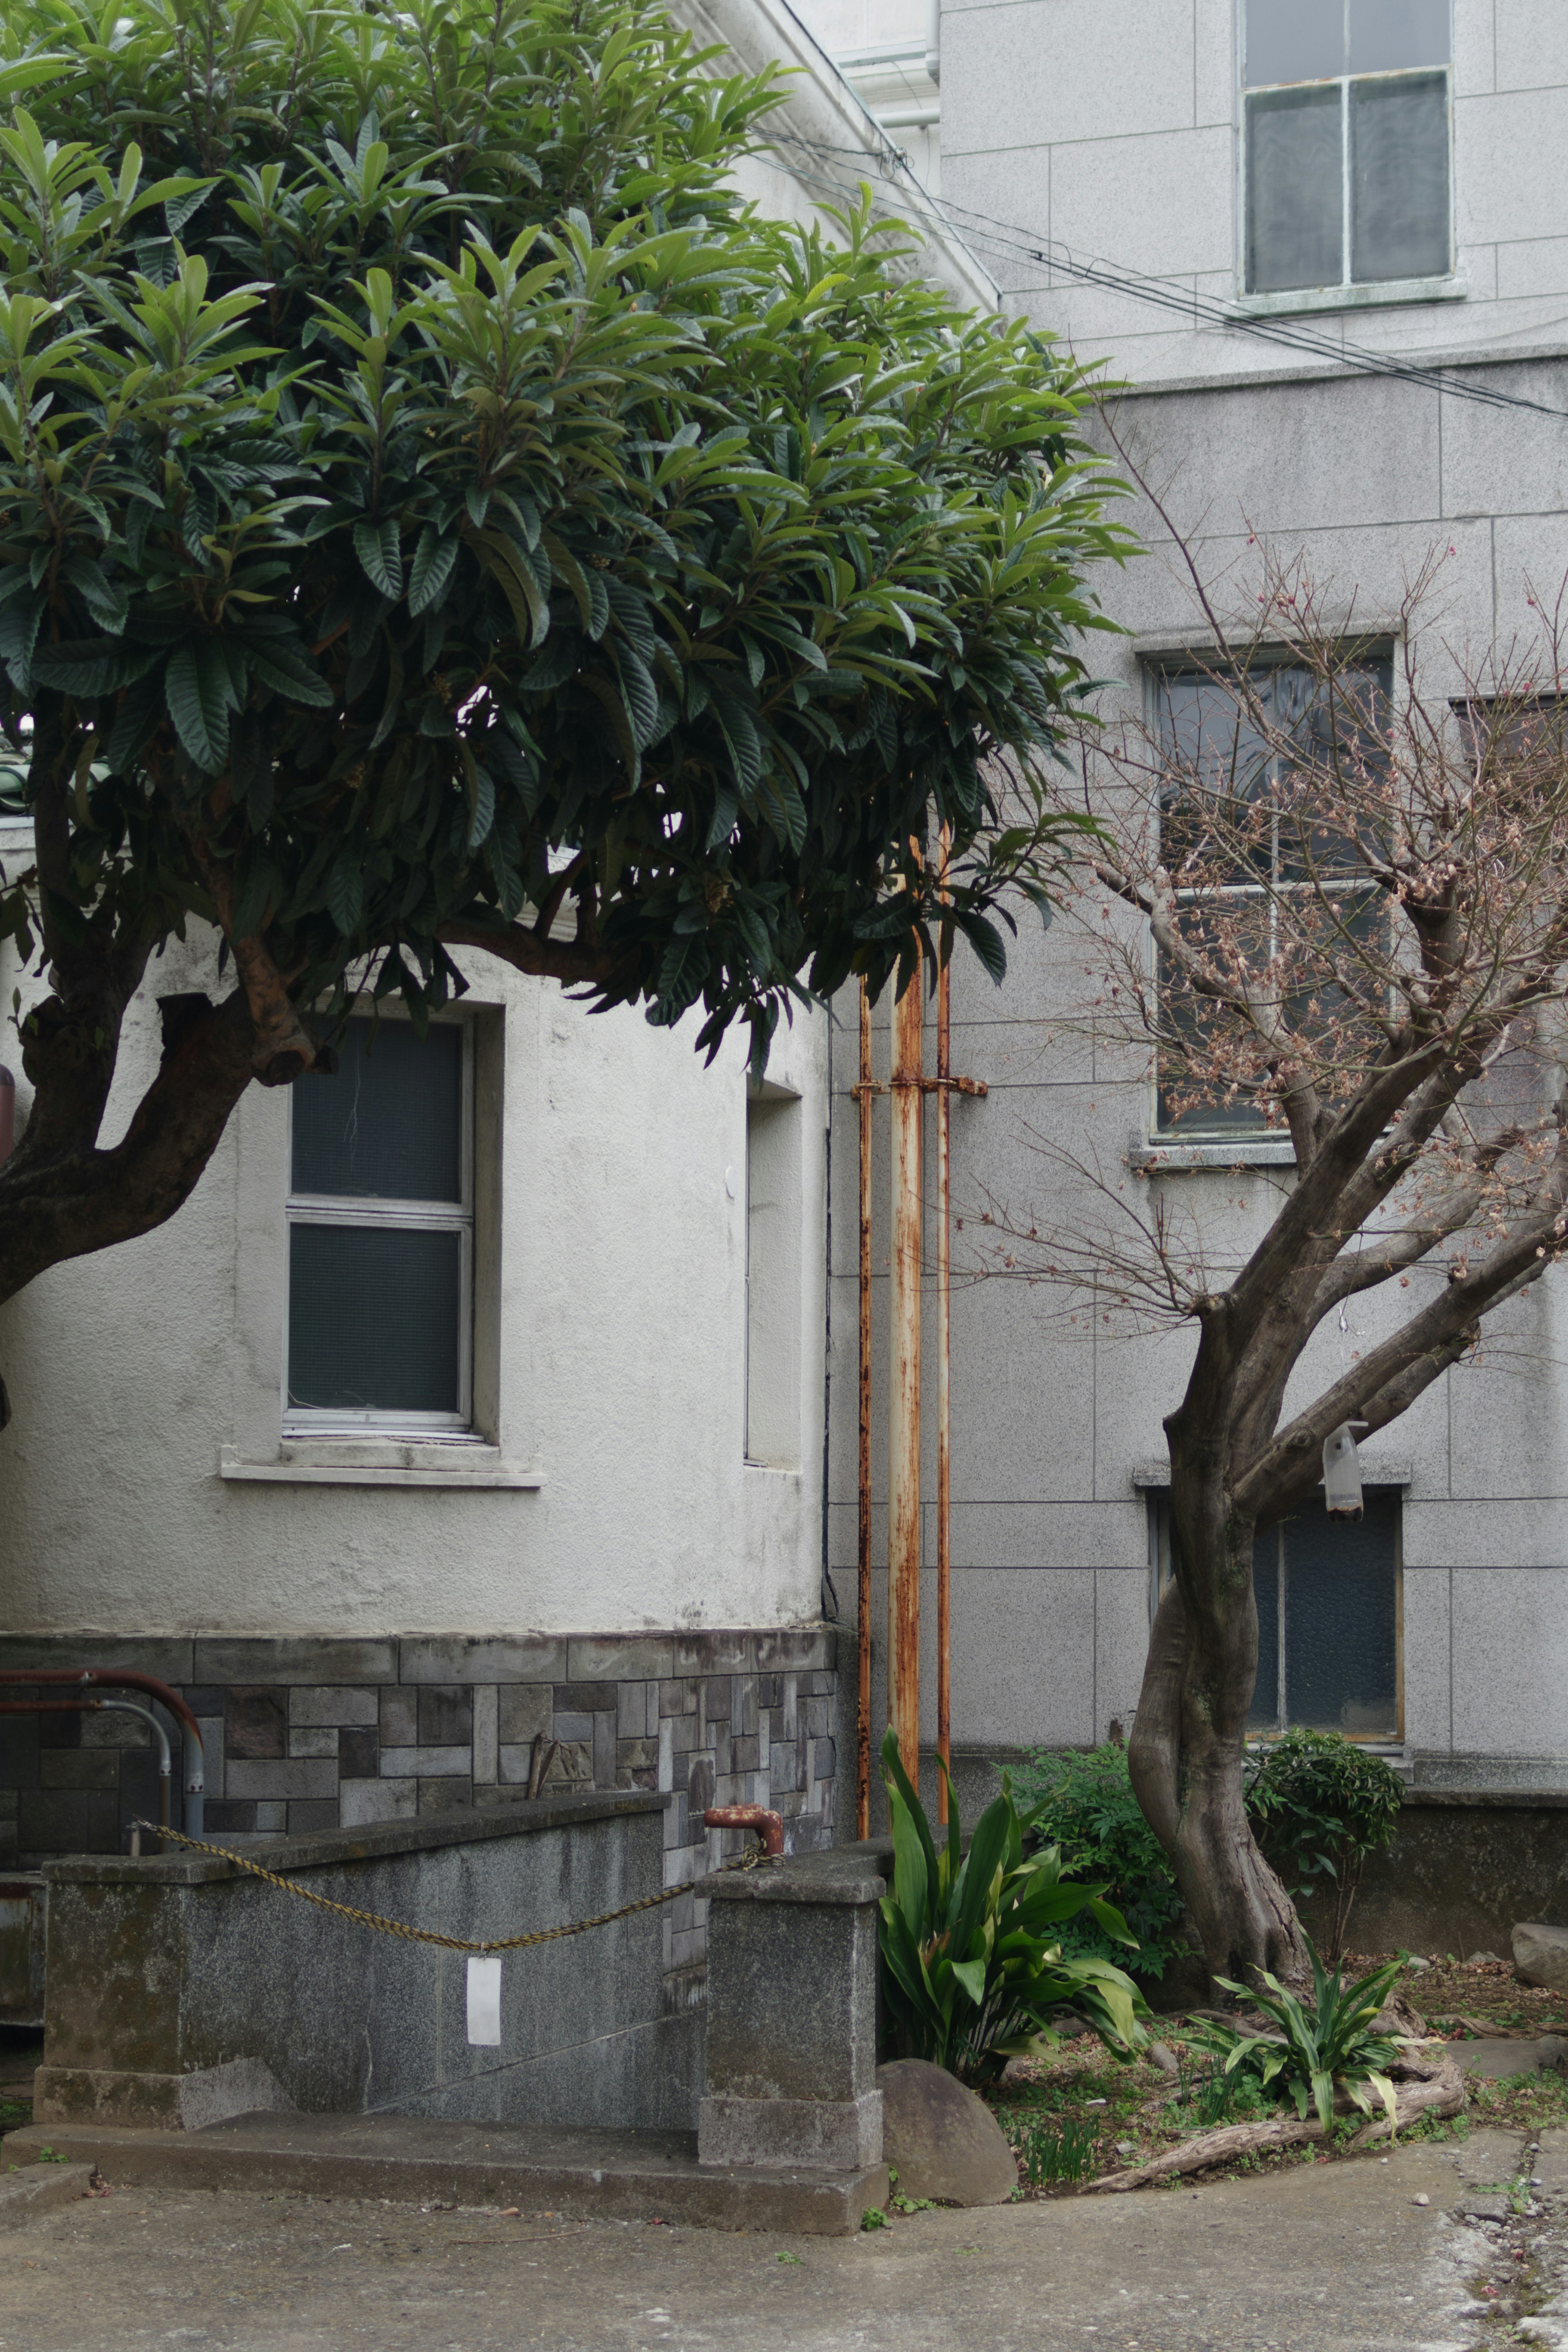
column 791, row 2026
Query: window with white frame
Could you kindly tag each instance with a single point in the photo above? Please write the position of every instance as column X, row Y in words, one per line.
column 1231, row 748
column 381, row 1235
column 1329, row 1618
column 1346, row 143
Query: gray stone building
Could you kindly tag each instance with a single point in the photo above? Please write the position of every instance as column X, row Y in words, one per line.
column 1276, row 219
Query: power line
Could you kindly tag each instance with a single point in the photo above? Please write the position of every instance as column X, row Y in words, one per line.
column 984, row 229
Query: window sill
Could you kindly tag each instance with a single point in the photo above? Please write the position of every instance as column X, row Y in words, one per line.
column 1175, row 1159
column 1392, row 292
column 452, row 1465
column 1376, row 1471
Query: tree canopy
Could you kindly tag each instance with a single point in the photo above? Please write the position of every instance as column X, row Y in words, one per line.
column 436, row 513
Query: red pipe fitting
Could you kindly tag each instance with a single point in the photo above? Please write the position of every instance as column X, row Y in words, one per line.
column 112, row 1679
column 748, row 1817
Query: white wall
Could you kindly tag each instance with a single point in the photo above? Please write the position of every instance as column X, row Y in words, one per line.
column 622, row 1267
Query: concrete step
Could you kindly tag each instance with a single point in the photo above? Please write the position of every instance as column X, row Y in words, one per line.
column 587, row 2174
column 35, row 2188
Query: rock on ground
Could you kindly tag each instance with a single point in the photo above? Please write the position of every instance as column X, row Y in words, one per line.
column 1541, row 1955
column 940, row 2139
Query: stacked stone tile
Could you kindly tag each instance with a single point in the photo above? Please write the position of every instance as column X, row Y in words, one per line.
column 306, row 1734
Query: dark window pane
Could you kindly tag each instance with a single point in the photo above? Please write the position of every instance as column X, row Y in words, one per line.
column 1387, row 34
column 1400, row 178
column 1294, row 197
column 389, row 1126
column 1341, row 1619
column 374, row 1318
column 1264, row 1713
column 1294, row 40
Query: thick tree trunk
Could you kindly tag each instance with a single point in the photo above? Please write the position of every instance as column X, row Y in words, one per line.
column 1185, row 1753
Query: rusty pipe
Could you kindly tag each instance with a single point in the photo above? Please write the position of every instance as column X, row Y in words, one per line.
column 124, row 1678
column 748, row 1817
column 111, row 1707
column 863, row 1490
column 943, row 1391
column 904, row 1380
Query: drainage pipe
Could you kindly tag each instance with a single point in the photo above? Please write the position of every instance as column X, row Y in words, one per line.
column 863, row 1492
column 748, row 1817
column 943, row 1391
column 904, row 1380
column 116, row 1678
column 100, row 1706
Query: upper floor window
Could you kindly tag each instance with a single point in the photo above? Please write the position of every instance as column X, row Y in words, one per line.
column 381, row 1234
column 1346, row 142
column 1263, row 882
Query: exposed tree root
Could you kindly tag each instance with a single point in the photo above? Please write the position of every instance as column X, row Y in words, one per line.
column 1440, row 2091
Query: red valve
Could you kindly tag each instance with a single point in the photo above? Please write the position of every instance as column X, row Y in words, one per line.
column 748, row 1817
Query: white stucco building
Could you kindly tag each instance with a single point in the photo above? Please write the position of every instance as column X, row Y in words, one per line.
column 470, row 1416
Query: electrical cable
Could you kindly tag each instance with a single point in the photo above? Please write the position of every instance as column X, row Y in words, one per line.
column 978, row 228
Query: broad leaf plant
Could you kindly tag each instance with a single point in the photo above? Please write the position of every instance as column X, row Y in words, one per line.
column 972, row 1964
column 438, row 514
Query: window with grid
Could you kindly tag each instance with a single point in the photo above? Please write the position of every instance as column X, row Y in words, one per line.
column 1227, row 743
column 381, row 1235
column 1346, row 142
column 1328, row 1595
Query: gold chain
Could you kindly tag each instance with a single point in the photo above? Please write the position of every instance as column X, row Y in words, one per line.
column 747, row 1861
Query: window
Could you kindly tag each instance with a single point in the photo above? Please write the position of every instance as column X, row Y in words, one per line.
column 774, row 1212
column 1212, row 738
column 1345, row 143
column 1328, row 1594
column 381, row 1234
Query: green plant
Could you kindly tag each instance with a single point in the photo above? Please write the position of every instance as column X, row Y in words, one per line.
column 1319, row 1805
column 438, row 514
column 1053, row 2152
column 1313, row 2054
column 971, row 1965
column 1085, row 1805
column 873, row 2218
column 1211, row 2094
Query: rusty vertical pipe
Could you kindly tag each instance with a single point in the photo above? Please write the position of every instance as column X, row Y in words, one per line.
column 862, row 1554
column 943, row 1416
column 903, row 1381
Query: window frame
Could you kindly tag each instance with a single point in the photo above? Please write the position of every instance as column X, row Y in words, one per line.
column 1231, row 1143
column 1349, row 293
column 1261, row 1735
column 362, row 1210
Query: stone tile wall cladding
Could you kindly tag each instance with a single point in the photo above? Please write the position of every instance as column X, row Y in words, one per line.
column 304, row 1734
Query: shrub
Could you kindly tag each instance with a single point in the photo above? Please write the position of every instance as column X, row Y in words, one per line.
column 1319, row 1805
column 972, row 1964
column 1313, row 2054
column 1085, row 1805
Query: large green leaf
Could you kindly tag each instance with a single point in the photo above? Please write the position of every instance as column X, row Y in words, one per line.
column 196, row 691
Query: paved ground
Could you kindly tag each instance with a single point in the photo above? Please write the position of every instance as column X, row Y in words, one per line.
column 1324, row 2257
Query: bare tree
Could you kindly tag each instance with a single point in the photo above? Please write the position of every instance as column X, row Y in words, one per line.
column 1344, row 918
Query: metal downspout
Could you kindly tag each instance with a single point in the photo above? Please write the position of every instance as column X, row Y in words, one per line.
column 111, row 1678
column 904, row 1380
column 944, row 1392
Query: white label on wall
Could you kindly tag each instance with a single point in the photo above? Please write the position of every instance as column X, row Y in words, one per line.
column 483, row 2003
